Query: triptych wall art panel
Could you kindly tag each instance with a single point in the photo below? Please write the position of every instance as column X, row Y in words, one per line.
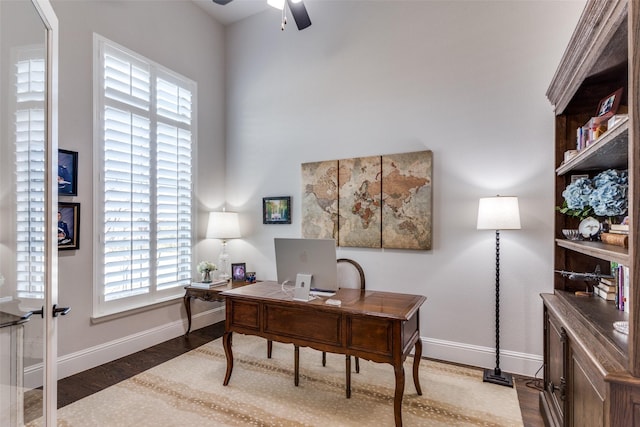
column 370, row 202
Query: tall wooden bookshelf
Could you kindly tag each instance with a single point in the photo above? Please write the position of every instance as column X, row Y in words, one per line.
column 591, row 371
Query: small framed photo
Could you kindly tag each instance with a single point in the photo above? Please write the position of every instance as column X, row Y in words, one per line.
column 239, row 272
column 68, row 226
column 608, row 106
column 67, row 173
column 276, row 210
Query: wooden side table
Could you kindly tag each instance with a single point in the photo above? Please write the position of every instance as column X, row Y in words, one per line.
column 211, row 294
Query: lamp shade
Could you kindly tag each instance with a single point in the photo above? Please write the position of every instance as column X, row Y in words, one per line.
column 223, row 225
column 498, row 213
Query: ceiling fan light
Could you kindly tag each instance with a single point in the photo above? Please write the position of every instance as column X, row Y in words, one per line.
column 278, row 4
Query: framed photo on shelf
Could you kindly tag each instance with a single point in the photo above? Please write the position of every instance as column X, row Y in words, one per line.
column 608, row 106
column 276, row 210
column 68, row 226
column 239, row 272
column 67, row 173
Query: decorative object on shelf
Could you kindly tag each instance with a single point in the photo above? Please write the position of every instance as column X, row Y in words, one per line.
column 238, row 272
column 571, row 234
column 609, row 195
column 591, row 279
column 276, row 210
column 576, row 199
column 589, row 227
column 608, row 106
column 224, row 226
column 205, row 268
column 615, row 239
column 621, row 326
column 605, row 195
column 498, row 213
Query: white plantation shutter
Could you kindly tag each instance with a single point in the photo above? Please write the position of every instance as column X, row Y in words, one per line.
column 146, row 180
column 30, row 172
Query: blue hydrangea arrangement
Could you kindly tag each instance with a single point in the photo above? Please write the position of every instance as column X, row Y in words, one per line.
column 609, row 197
column 604, row 195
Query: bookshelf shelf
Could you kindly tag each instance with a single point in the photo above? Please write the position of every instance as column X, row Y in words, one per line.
column 599, row 250
column 610, row 151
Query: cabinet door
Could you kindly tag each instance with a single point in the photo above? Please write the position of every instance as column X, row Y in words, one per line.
column 586, row 391
column 555, row 381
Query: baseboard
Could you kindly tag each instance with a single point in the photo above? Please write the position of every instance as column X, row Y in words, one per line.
column 88, row 358
column 483, row 357
column 70, row 364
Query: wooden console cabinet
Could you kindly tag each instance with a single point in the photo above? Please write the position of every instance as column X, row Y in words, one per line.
column 591, row 371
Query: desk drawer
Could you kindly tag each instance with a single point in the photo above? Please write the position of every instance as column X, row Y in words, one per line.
column 314, row 325
column 242, row 314
column 370, row 335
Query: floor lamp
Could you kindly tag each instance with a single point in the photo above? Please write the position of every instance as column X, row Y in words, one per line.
column 498, row 213
column 223, row 225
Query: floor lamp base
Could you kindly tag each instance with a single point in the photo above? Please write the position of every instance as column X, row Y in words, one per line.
column 496, row 376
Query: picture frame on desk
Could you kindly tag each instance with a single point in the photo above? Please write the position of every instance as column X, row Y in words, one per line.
column 276, row 210
column 239, row 272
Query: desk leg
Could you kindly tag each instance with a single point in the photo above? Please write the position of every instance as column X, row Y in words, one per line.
column 348, row 371
column 417, row 355
column 296, row 365
column 397, row 398
column 226, row 342
column 187, row 305
column 269, row 348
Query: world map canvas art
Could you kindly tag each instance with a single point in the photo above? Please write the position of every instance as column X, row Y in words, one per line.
column 373, row 202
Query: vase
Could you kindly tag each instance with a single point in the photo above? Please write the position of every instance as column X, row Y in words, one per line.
column 206, row 276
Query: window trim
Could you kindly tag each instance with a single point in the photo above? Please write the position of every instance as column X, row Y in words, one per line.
column 101, row 310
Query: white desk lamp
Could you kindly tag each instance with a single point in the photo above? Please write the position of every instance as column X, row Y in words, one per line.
column 223, row 225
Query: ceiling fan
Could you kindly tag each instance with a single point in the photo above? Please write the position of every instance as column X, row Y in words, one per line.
column 297, row 8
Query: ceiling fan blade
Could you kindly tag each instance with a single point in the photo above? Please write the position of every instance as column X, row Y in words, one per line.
column 222, row 2
column 300, row 14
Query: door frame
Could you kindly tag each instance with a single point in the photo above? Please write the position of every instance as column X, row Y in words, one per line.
column 50, row 372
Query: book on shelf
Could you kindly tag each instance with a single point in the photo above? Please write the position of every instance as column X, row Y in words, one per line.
column 608, row 296
column 607, row 288
column 615, row 239
column 618, row 232
column 209, row 285
column 620, row 228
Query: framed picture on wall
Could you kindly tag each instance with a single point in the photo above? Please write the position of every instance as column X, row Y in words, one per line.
column 67, row 173
column 238, row 272
column 68, row 226
column 276, row 210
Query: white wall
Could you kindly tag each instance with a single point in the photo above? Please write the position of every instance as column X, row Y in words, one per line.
column 465, row 79
column 180, row 36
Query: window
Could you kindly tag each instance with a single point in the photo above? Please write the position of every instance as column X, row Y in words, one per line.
column 30, row 146
column 144, row 129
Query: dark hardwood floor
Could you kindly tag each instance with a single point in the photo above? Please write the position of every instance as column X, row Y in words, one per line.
column 88, row 382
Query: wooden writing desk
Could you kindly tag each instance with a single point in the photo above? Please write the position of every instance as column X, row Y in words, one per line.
column 378, row 326
column 206, row 294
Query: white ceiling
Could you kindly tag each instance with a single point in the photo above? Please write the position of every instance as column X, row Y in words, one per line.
column 234, row 11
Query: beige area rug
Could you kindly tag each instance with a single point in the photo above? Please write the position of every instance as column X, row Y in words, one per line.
column 188, row 391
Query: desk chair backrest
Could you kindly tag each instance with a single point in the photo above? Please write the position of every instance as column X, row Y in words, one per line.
column 350, row 274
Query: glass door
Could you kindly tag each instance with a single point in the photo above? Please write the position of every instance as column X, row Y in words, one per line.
column 28, row 204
